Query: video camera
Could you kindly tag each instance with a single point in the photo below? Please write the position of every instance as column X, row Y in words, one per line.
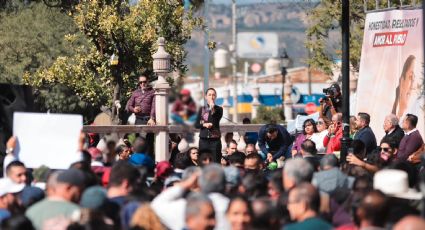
column 332, row 91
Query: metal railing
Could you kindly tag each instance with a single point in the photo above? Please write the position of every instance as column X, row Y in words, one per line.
column 225, row 128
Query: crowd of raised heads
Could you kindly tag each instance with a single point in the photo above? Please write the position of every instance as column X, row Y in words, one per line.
column 270, row 179
column 276, row 181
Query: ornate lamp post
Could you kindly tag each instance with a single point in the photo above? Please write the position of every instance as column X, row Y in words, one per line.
column 285, row 61
column 161, row 66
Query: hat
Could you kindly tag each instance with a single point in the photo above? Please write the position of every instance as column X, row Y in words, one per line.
column 8, row 186
column 185, row 92
column 232, row 175
column 31, row 195
column 93, row 197
column 95, row 153
column 395, row 183
column 163, row 169
column 72, row 176
column 171, row 180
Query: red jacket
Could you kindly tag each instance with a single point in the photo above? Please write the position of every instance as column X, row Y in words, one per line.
column 333, row 143
column 179, row 105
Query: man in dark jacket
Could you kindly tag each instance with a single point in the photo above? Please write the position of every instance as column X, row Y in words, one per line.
column 274, row 141
column 392, row 129
column 365, row 133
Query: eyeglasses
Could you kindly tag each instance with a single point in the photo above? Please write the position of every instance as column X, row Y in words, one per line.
column 143, row 82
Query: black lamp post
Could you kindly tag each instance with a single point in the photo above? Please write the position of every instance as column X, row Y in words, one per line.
column 285, row 61
column 345, row 29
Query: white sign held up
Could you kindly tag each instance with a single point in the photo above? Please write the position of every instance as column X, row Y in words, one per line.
column 47, row 139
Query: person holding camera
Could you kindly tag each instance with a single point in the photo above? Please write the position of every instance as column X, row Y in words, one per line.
column 331, row 103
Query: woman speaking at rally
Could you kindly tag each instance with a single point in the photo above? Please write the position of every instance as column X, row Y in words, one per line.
column 208, row 121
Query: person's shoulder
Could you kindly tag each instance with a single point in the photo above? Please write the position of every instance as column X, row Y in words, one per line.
column 217, row 107
column 311, row 223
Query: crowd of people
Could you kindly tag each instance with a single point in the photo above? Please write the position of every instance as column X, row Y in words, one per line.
column 277, row 180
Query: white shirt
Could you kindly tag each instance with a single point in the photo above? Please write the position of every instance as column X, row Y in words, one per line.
column 410, row 132
column 7, row 160
column 318, row 138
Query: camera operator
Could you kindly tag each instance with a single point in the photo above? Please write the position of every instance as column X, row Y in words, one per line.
column 331, row 103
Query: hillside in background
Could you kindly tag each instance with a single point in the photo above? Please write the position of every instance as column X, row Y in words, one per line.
column 288, row 20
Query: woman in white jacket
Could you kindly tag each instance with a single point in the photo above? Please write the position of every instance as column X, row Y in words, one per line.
column 317, row 138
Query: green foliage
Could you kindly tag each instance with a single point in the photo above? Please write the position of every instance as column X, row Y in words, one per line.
column 324, row 18
column 267, row 115
column 113, row 27
column 31, row 37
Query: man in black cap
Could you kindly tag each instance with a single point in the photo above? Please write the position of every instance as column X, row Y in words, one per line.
column 63, row 194
column 332, row 102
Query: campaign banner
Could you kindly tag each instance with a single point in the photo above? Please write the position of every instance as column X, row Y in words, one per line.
column 257, row 44
column 391, row 67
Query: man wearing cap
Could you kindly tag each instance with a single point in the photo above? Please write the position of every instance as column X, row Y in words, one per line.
column 8, row 199
column 184, row 108
column 63, row 194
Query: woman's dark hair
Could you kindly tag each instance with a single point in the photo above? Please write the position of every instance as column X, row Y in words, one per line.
column 391, row 142
column 206, row 91
column 203, row 155
column 312, row 122
column 188, row 152
column 244, row 200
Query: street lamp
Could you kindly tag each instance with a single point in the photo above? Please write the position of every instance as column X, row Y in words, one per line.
column 114, row 62
column 285, row 61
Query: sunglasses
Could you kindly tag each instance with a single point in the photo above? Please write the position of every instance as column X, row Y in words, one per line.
column 320, row 122
column 384, row 149
column 143, row 82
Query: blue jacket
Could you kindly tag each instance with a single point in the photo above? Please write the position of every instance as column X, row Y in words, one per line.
column 367, row 136
column 279, row 145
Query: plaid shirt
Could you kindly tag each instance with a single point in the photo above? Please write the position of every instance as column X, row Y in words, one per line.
column 145, row 99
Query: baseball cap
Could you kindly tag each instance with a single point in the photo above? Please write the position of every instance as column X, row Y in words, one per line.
column 8, row 186
column 73, row 177
column 185, row 92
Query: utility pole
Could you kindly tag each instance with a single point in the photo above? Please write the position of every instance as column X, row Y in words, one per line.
column 206, row 50
column 345, row 29
column 234, row 63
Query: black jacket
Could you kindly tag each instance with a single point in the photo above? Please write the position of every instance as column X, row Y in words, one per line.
column 396, row 135
column 279, row 145
column 213, row 118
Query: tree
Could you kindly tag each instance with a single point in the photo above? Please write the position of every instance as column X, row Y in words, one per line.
column 326, row 17
column 130, row 32
column 31, row 37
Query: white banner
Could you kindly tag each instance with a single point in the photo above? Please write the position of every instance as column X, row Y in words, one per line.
column 391, row 67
